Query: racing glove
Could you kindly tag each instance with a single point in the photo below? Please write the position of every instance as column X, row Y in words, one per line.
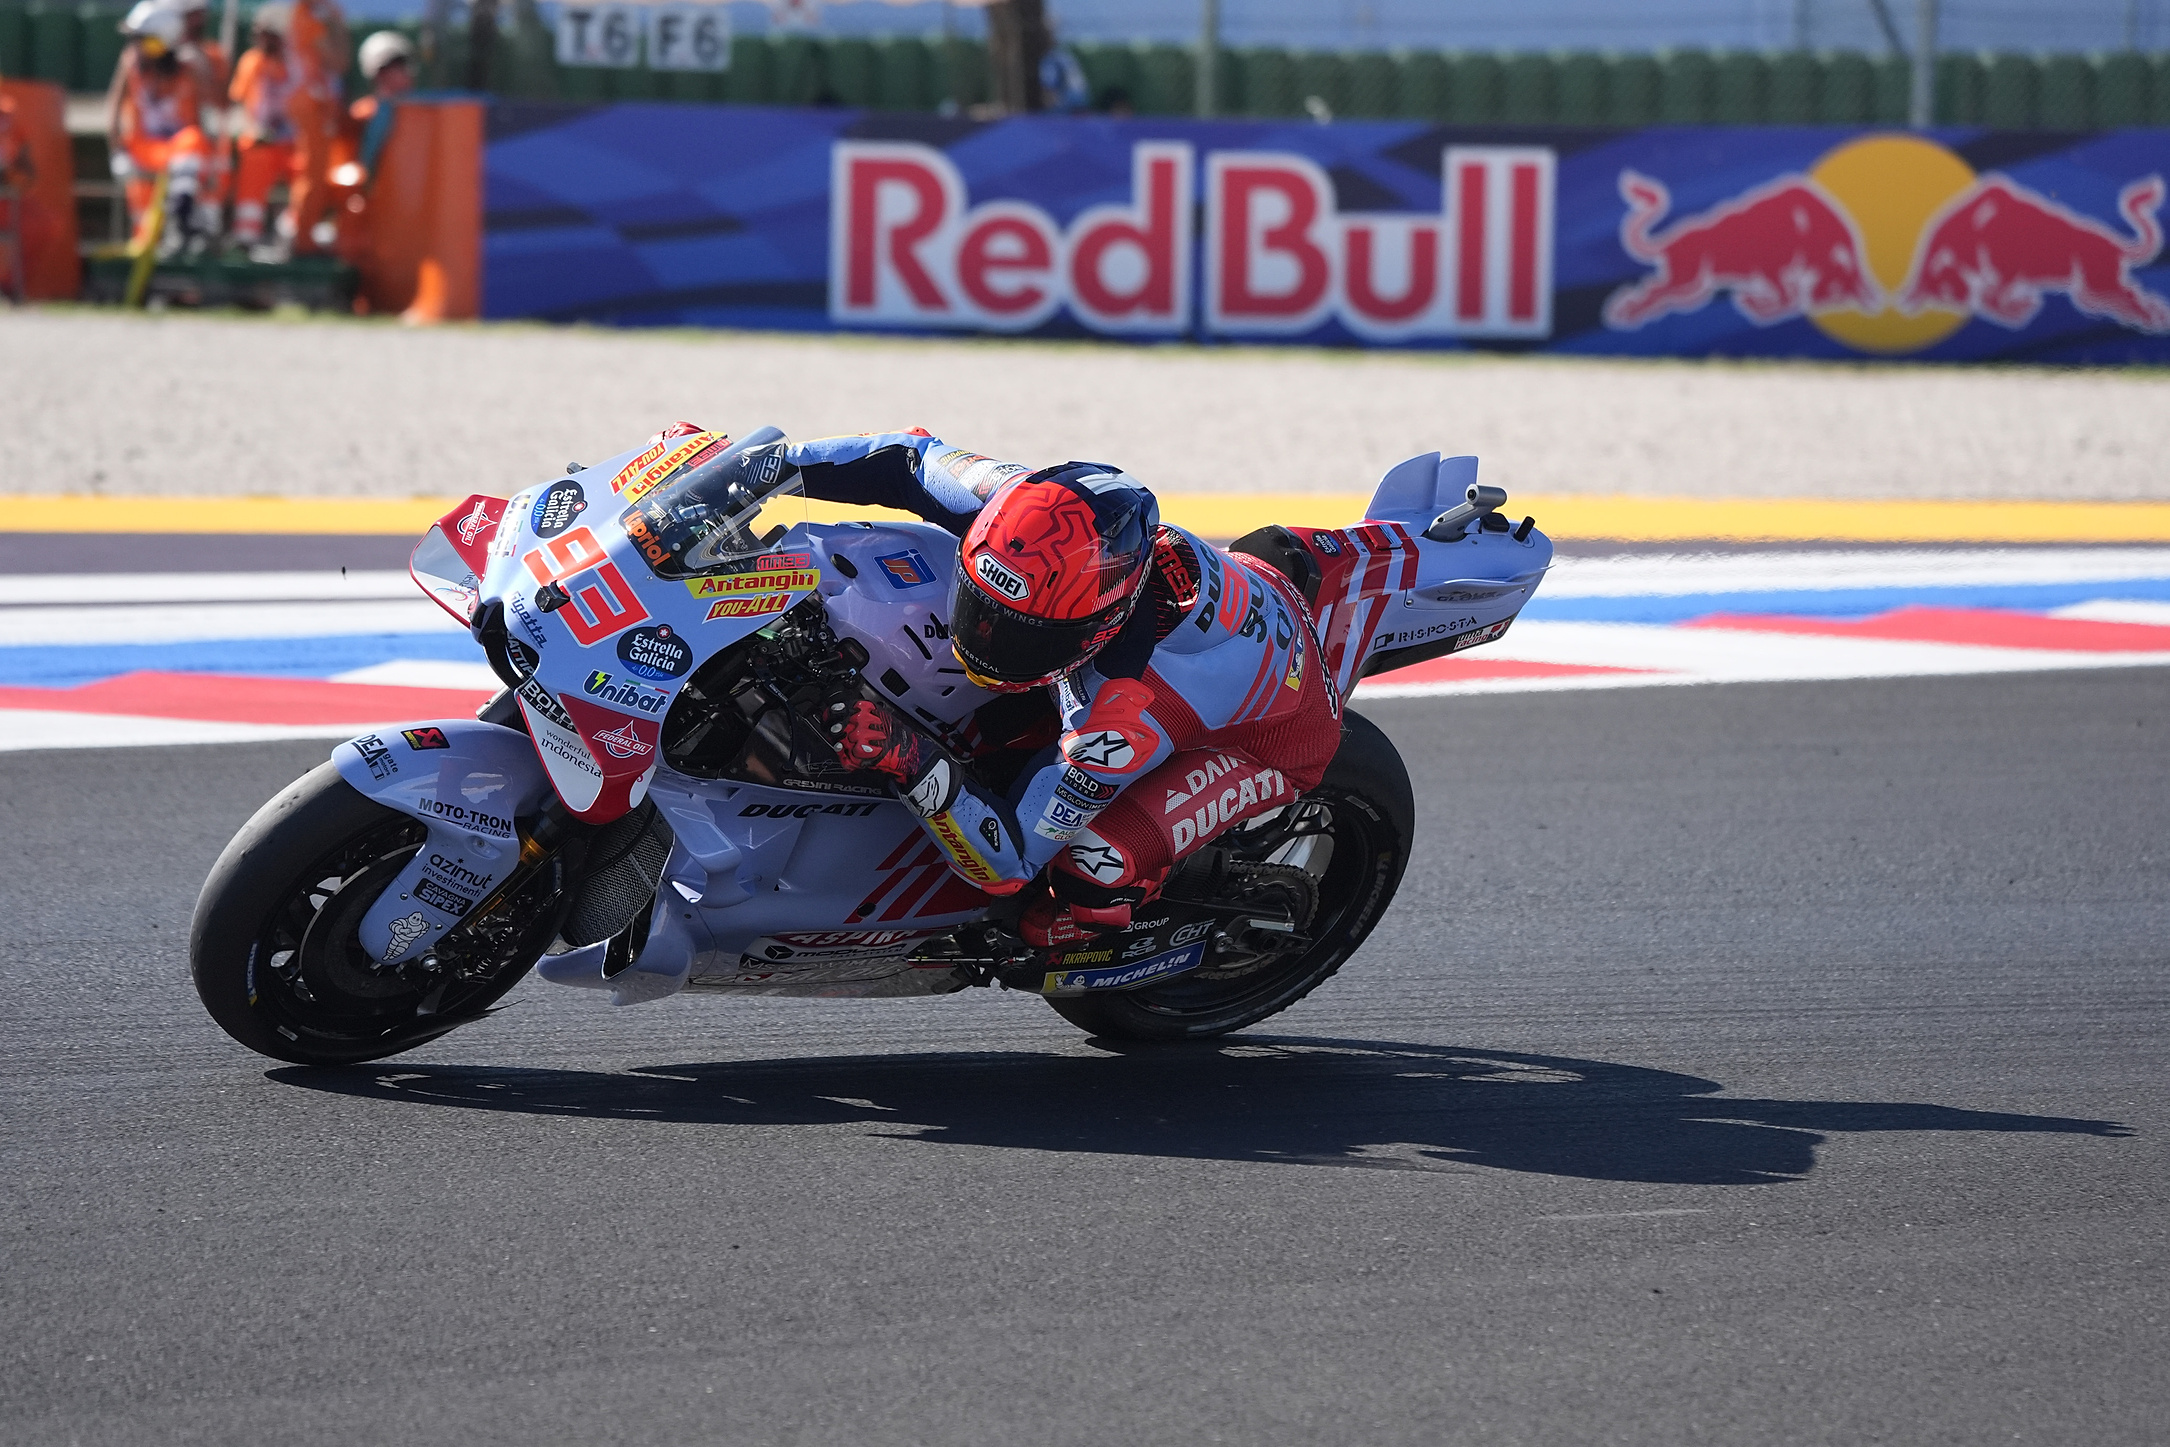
column 869, row 736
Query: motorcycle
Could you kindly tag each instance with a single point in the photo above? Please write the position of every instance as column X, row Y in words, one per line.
column 650, row 808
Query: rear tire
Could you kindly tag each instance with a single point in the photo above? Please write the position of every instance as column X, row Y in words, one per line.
column 1373, row 821
column 307, row 866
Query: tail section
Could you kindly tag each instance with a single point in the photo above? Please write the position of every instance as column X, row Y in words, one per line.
column 1648, row 200
column 2138, row 203
column 1384, row 595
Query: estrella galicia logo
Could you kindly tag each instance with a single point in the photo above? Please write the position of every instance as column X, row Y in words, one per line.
column 655, row 653
column 557, row 509
column 1326, row 543
column 906, row 569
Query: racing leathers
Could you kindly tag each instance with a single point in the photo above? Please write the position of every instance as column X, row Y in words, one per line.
column 1209, row 708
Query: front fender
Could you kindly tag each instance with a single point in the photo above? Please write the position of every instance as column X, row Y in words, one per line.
column 469, row 782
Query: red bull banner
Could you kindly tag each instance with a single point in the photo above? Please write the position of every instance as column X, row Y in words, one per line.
column 1946, row 245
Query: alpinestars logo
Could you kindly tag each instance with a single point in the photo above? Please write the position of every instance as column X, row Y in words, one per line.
column 620, row 742
column 405, row 932
column 1102, row 862
column 1104, row 749
column 995, row 575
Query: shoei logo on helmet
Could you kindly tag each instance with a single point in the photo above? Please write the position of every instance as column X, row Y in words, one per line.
column 990, row 571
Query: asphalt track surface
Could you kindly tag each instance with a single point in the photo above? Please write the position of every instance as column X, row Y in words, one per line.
column 1773, row 1063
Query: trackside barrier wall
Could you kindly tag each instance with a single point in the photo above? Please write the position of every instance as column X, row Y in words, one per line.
column 46, row 213
column 1836, row 242
column 425, row 214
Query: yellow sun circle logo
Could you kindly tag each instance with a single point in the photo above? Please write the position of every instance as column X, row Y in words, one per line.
column 1891, row 186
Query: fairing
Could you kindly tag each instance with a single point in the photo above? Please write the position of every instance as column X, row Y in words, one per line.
column 599, row 637
column 471, row 783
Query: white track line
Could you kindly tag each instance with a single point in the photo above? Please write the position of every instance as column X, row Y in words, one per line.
column 1675, row 574
column 324, row 584
column 2116, row 610
column 27, row 729
column 423, row 673
column 203, row 622
column 1717, row 655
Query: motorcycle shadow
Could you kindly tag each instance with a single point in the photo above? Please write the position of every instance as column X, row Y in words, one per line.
column 1376, row 1105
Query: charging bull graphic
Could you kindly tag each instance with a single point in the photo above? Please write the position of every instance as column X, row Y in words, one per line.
column 1998, row 248
column 1889, row 244
column 1784, row 249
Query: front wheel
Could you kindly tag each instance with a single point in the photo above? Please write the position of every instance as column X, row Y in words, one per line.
column 273, row 946
column 1362, row 817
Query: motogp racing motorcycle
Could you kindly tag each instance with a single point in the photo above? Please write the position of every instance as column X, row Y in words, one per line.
column 651, row 806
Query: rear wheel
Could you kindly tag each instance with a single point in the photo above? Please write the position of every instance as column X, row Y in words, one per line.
column 274, row 951
column 1360, row 819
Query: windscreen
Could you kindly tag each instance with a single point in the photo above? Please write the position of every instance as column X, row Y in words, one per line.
column 712, row 514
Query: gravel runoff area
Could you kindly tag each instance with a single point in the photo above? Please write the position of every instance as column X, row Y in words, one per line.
column 114, row 403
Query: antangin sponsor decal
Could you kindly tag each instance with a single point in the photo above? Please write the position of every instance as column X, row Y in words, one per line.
column 960, row 851
column 759, row 607
column 759, row 580
column 638, row 478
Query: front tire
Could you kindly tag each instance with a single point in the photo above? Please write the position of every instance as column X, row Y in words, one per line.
column 273, row 949
column 1373, row 821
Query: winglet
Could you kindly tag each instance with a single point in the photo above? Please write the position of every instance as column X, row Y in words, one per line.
column 1406, row 493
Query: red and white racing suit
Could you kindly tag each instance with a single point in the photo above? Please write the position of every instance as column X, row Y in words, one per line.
column 1209, row 708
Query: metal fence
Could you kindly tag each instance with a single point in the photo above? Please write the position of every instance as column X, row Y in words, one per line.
column 77, row 46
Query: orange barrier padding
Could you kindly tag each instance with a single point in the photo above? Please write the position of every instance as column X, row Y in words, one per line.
column 424, row 256
column 51, row 271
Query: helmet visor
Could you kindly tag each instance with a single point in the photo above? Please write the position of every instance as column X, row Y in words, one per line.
column 1000, row 645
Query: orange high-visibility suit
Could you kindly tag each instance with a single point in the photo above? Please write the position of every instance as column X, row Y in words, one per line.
column 160, row 128
column 316, row 38
column 263, row 87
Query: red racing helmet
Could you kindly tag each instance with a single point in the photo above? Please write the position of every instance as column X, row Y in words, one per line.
column 1048, row 573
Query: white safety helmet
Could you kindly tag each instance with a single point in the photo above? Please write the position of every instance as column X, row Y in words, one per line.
column 156, row 23
column 381, row 49
column 274, row 17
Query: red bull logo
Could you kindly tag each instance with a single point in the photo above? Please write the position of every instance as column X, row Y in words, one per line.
column 1785, row 249
column 2000, row 247
column 1889, row 244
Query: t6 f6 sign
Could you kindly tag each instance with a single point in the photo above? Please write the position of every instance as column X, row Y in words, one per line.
column 1772, row 241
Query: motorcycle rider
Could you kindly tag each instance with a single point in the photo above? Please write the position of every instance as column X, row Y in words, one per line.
column 1188, row 688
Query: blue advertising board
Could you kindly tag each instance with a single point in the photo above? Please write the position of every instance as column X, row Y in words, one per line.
column 1832, row 242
